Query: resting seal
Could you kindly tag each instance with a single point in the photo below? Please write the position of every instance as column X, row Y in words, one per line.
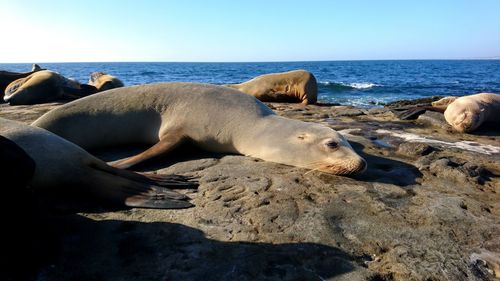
column 103, row 81
column 7, row 77
column 465, row 114
column 61, row 166
column 45, row 86
column 292, row 86
column 216, row 118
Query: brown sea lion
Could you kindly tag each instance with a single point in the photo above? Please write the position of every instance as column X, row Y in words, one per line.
column 103, row 81
column 7, row 77
column 45, row 86
column 61, row 166
column 216, row 118
column 293, row 86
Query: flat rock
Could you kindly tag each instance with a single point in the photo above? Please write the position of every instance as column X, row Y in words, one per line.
column 433, row 119
column 415, row 214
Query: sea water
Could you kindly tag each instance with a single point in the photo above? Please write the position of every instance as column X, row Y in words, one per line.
column 360, row 83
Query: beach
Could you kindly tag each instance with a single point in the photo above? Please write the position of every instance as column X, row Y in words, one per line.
column 426, row 208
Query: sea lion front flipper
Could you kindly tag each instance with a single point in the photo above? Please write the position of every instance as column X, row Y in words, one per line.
column 166, row 144
column 76, row 93
column 411, row 114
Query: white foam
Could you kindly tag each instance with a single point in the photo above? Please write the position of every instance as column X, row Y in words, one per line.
column 363, row 85
column 464, row 145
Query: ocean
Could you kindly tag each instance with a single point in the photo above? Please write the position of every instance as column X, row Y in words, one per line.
column 359, row 83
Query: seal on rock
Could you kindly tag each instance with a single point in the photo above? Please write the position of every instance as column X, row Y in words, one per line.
column 7, row 77
column 65, row 168
column 45, row 86
column 103, row 81
column 216, row 118
column 465, row 114
column 292, row 86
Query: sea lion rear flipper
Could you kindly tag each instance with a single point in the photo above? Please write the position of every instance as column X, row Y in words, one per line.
column 142, row 190
column 153, row 203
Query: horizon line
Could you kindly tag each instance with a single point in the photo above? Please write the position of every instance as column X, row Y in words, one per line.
column 276, row 61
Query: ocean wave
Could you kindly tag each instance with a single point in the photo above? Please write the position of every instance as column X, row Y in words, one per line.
column 339, row 86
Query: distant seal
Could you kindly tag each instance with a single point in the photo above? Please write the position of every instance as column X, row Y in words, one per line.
column 465, row 114
column 103, row 81
column 216, row 118
column 293, row 86
column 45, row 86
column 61, row 166
column 7, row 77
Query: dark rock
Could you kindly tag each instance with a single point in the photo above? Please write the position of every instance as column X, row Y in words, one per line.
column 406, row 104
column 414, row 149
column 433, row 119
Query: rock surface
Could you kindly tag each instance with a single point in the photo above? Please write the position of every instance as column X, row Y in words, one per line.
column 427, row 208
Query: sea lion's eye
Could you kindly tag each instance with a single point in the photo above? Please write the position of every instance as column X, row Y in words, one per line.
column 301, row 137
column 332, row 144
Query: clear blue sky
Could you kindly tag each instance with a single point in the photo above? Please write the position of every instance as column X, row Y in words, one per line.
column 255, row 30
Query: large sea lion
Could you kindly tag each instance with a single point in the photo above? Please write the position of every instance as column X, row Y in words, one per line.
column 103, row 81
column 61, row 166
column 7, row 77
column 292, row 86
column 216, row 118
column 465, row 114
column 45, row 86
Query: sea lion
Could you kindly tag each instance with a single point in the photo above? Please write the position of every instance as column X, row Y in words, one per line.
column 103, row 81
column 45, row 86
column 292, row 86
column 61, row 166
column 7, row 77
column 216, row 118
column 465, row 114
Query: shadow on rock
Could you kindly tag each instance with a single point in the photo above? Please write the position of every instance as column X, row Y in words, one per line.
column 129, row 250
column 385, row 170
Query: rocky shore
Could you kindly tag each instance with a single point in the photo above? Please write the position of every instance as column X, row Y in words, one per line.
column 427, row 208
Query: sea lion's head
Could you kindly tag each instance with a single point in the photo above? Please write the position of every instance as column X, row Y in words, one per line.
column 309, row 145
column 103, row 81
column 464, row 120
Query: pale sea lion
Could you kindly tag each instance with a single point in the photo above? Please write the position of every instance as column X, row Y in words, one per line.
column 45, row 86
column 7, row 77
column 61, row 166
column 216, row 118
column 103, row 81
column 465, row 114
column 292, row 86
